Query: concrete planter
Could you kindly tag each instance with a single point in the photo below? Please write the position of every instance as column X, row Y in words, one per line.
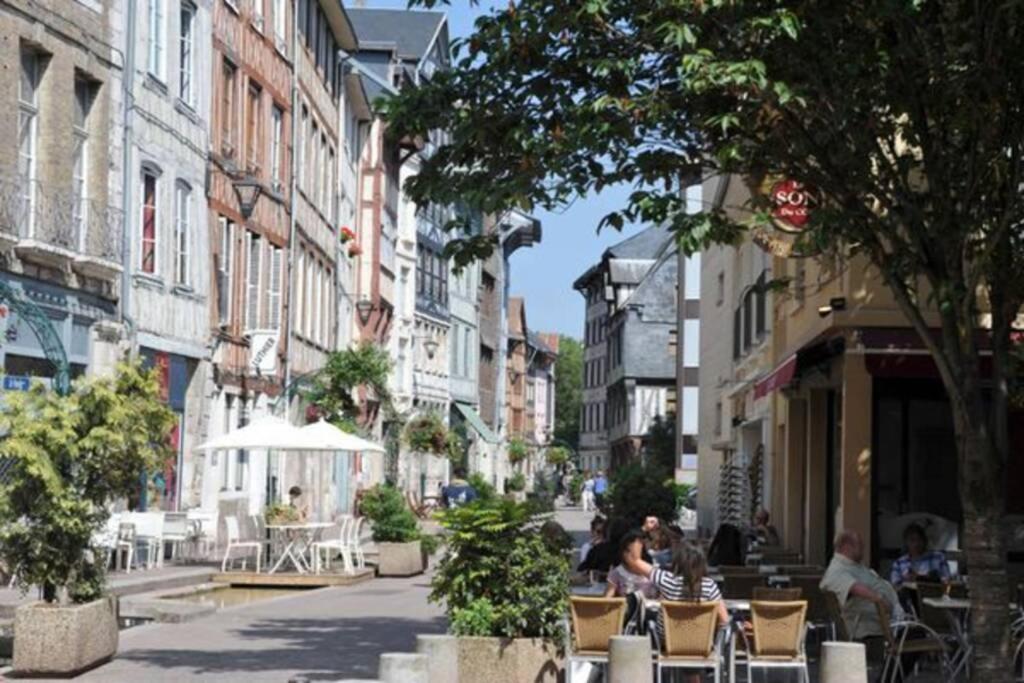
column 508, row 660
column 63, row 640
column 399, row 559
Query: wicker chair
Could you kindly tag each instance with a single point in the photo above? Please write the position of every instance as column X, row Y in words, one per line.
column 778, row 637
column 835, row 615
column 765, row 594
column 741, row 586
column 818, row 616
column 690, row 642
column 899, row 641
column 594, row 622
column 801, row 570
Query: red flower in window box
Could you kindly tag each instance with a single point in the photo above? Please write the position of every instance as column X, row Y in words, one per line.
column 355, row 250
column 313, row 413
column 347, row 234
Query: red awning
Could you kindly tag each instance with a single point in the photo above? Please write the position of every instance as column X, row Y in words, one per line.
column 778, row 378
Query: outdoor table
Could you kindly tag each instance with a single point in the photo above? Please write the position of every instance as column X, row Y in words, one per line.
column 299, row 537
column 957, row 610
column 593, row 590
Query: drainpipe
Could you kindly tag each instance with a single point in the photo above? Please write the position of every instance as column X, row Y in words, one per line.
column 127, row 90
column 294, row 191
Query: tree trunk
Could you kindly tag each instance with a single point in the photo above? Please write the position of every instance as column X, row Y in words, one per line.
column 982, row 496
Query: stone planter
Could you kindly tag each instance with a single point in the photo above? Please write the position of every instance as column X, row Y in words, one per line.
column 63, row 640
column 508, row 660
column 399, row 559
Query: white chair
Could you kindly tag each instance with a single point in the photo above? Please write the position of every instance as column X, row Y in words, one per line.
column 125, row 544
column 340, row 545
column 149, row 531
column 234, row 541
column 175, row 532
column 106, row 538
column 202, row 533
column 356, row 542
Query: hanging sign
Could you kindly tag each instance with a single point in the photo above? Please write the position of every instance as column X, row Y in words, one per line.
column 791, row 203
column 263, row 352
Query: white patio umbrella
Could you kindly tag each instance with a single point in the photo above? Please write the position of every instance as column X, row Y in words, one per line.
column 264, row 433
column 331, row 438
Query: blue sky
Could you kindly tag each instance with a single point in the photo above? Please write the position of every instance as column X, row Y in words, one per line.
column 544, row 274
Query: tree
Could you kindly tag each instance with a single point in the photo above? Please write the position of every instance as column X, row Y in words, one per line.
column 71, row 456
column 568, row 390
column 904, row 117
column 334, row 390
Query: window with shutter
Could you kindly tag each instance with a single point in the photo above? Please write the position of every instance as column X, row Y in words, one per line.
column 252, row 309
column 225, row 262
column 737, row 325
column 760, row 318
column 274, row 289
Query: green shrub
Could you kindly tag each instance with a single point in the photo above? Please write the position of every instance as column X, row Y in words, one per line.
column 499, row 578
column 431, row 543
column 638, row 491
column 557, row 456
column 483, row 488
column 576, row 486
column 70, row 456
column 392, row 520
column 517, row 482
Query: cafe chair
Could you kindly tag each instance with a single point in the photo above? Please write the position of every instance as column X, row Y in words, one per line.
column 741, row 586
column 819, row 620
column 234, row 538
column 908, row 637
column 778, row 641
column 690, row 642
column 766, row 594
column 594, row 622
column 840, row 631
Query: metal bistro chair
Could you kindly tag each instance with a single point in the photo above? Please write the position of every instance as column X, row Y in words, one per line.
column 778, row 637
column 125, row 544
column 835, row 613
column 819, row 619
column 690, row 643
column 594, row 622
column 175, row 532
column 898, row 643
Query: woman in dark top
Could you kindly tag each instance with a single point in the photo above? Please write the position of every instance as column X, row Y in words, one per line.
column 603, row 556
column 727, row 547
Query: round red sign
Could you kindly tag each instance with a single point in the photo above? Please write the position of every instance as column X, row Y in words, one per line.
column 792, row 203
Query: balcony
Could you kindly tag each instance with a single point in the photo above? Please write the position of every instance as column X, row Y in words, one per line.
column 48, row 226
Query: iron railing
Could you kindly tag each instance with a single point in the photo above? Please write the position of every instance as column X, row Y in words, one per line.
column 52, row 215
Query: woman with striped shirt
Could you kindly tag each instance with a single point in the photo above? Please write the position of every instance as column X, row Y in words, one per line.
column 686, row 578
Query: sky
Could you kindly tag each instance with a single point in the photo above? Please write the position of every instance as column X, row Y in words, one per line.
column 570, row 244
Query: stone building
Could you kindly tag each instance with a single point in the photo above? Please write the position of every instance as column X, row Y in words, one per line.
column 161, row 162
column 61, row 212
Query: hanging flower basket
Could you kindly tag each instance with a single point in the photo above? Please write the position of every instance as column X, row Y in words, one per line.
column 346, row 235
column 355, row 250
column 427, row 434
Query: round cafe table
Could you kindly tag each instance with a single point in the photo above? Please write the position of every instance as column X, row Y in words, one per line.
column 298, row 537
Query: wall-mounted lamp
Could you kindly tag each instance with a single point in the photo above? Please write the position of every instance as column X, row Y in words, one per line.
column 430, row 346
column 248, row 190
column 364, row 307
column 837, row 303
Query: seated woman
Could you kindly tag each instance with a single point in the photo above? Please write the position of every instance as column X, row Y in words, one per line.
column 598, row 526
column 621, row 581
column 919, row 563
column 686, row 578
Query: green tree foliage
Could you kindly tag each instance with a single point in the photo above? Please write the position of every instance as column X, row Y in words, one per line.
column 660, row 446
column 557, row 456
column 568, row 390
column 906, row 118
column 335, row 387
column 391, row 518
column 499, row 577
column 640, row 490
column 72, row 456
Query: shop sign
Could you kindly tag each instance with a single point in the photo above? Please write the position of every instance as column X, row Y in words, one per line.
column 791, row 203
column 17, row 383
column 263, row 352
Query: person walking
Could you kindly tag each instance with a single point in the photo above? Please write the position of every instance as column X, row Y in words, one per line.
column 588, row 492
column 600, row 488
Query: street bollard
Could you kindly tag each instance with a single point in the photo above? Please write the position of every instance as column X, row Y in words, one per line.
column 843, row 663
column 629, row 659
column 442, row 657
column 403, row 667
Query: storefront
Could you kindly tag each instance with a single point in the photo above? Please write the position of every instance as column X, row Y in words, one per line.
column 163, row 485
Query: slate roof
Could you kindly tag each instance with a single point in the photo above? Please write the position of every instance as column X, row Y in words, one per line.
column 410, row 31
column 646, row 244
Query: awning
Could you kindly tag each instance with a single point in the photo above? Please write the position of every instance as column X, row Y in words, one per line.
column 778, row 378
column 477, row 423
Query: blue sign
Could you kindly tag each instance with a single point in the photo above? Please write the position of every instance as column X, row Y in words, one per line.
column 16, row 383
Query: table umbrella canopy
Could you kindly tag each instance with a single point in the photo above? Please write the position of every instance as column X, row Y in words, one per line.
column 265, row 433
column 331, row 438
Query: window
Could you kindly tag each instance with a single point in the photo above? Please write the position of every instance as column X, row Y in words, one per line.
column 300, row 293
column 229, row 85
column 455, row 350
column 274, row 288
column 182, row 232
column 276, row 124
column 748, row 319
column 28, row 135
column 252, row 129
column 718, row 418
column 229, row 407
column 257, row 14
column 280, row 24
column 80, row 159
column 467, row 352
column 186, row 45
column 225, row 263
column 315, row 170
column 737, row 331
column 301, row 151
column 252, row 301
column 332, row 196
column 307, row 323
column 721, row 289
column 147, row 263
column 760, row 306
column 157, row 48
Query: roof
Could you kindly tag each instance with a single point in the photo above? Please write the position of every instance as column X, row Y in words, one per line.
column 637, row 252
column 380, row 63
column 411, row 31
column 538, row 341
column 628, row 271
column 646, row 244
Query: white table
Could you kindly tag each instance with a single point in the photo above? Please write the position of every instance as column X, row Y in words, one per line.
column 593, row 590
column 957, row 610
column 298, row 539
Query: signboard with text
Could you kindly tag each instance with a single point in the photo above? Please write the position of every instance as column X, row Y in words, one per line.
column 263, row 352
column 791, row 203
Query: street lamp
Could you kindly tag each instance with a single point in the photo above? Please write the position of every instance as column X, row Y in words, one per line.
column 248, row 190
column 430, row 346
column 364, row 307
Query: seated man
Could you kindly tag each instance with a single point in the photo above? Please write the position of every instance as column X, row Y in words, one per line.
column 764, row 532
column 919, row 563
column 458, row 491
column 858, row 588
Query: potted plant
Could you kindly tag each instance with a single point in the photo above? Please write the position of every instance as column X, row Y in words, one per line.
column 516, row 486
column 346, row 234
column 395, row 532
column 505, row 592
column 71, row 456
column 280, row 513
column 428, row 434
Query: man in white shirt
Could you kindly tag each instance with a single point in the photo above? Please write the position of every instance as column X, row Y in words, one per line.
column 858, row 588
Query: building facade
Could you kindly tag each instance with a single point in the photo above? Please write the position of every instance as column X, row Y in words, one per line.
column 594, row 407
